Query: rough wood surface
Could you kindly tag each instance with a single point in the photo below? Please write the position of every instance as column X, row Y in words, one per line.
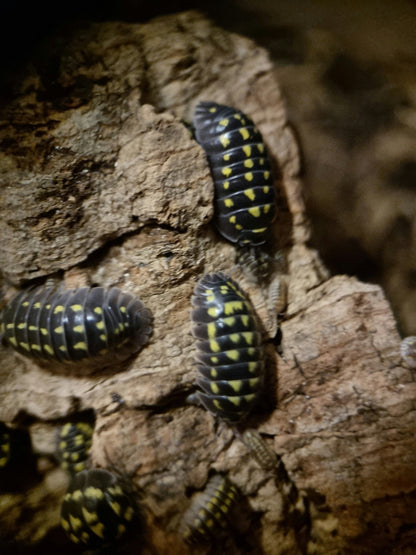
column 101, row 178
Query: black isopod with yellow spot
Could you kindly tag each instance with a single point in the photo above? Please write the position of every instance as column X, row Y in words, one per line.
column 91, row 326
column 230, row 354
column 245, row 205
column 75, row 440
column 209, row 511
column 97, row 509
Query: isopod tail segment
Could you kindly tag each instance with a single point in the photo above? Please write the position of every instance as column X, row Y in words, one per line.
column 86, row 328
column 208, row 515
column 295, row 500
column 230, row 355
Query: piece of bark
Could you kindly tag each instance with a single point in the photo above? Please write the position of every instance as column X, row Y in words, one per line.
column 123, row 189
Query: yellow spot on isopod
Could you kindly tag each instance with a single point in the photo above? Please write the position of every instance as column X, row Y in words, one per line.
column 211, row 330
column 214, row 388
column 236, row 385
column 80, row 346
column 214, row 360
column 10, row 326
column 98, row 529
column 248, row 163
column 94, row 493
column 43, row 331
column 33, row 328
column 59, row 329
column 213, row 373
column 120, row 530
column 213, row 109
column 259, row 230
column 213, row 311
column 233, row 354
column 235, row 401
column 228, row 202
column 35, row 347
column 227, row 171
column 232, row 306
column 48, row 349
column 99, row 325
column 89, row 517
column 214, row 346
column 248, row 176
column 250, row 194
column 21, row 326
column 65, row 524
column 78, row 329
column 75, row 522
column 254, row 211
column 266, row 190
column 226, row 157
column 226, row 185
column 76, row 307
column 37, row 305
column 223, row 122
column 116, row 507
column 58, row 308
column 129, row 513
column 217, row 404
column 235, row 337
column 25, row 303
column 266, row 175
column 244, row 132
column 224, row 140
column 24, row 346
column 247, row 150
column 248, row 336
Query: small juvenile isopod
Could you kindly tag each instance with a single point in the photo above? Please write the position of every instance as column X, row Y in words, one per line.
column 244, row 194
column 209, row 511
column 88, row 326
column 408, row 350
column 97, row 510
column 74, row 446
column 230, row 357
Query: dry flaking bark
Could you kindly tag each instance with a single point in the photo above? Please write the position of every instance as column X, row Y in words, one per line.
column 113, row 180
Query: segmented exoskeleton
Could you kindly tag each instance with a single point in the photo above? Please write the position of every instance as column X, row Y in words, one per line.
column 74, row 446
column 91, row 326
column 230, row 357
column 244, row 193
column 209, row 511
column 97, row 510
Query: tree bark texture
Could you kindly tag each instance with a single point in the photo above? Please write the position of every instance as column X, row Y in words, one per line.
column 102, row 183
